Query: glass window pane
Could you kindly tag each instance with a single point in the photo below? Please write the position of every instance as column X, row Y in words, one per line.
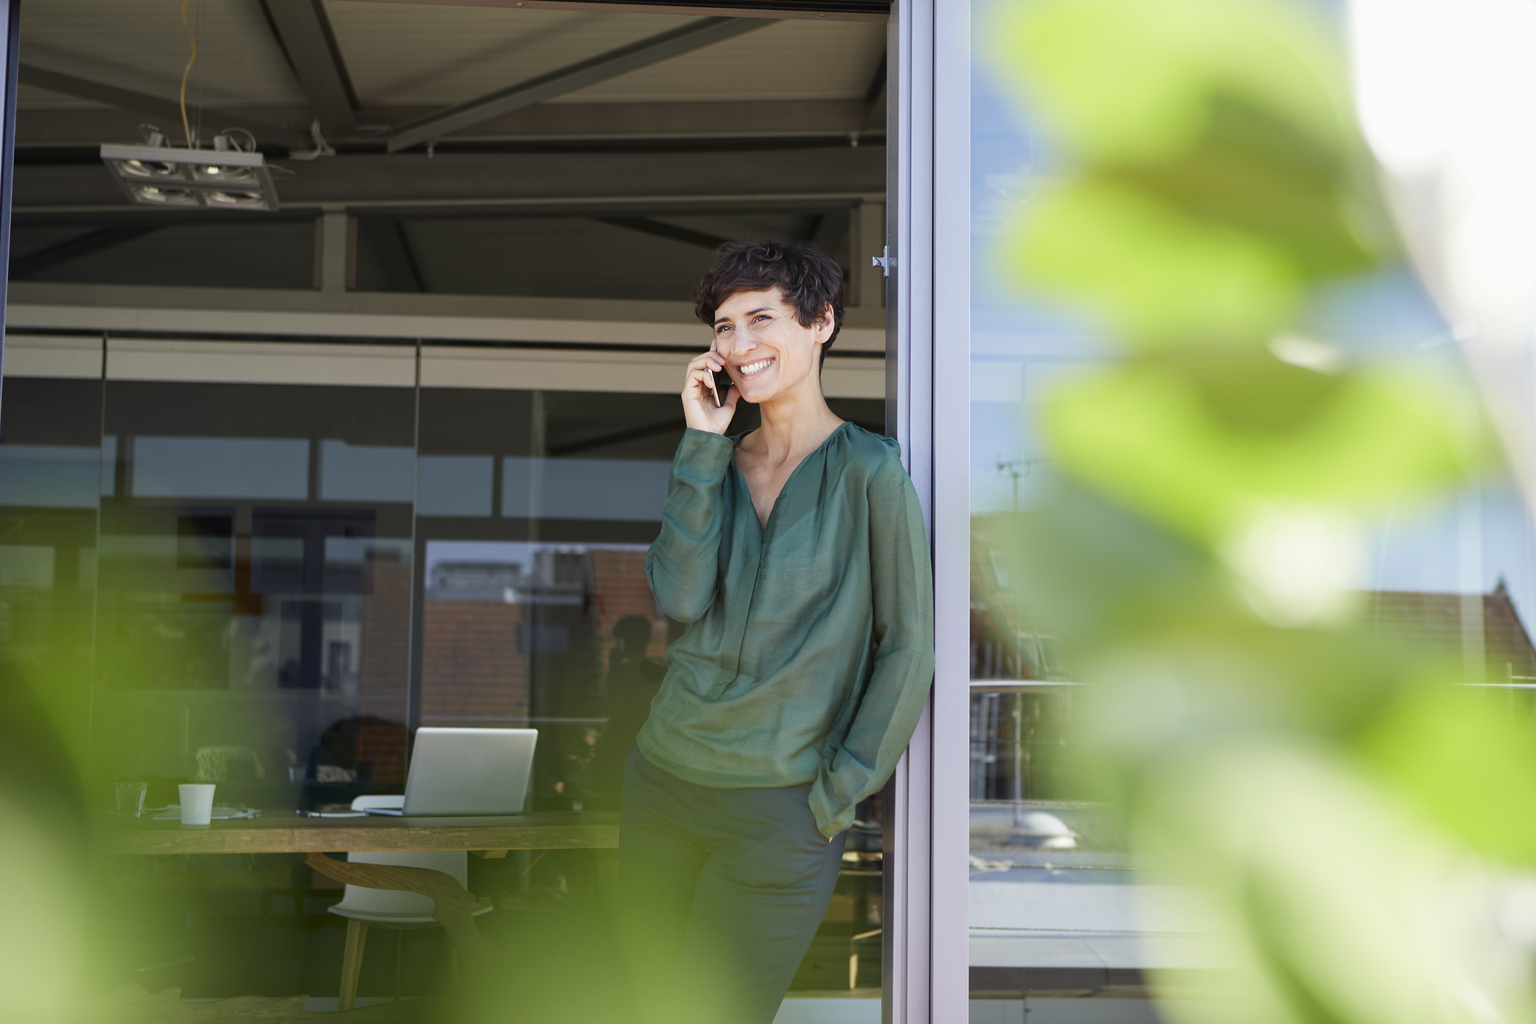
column 1070, row 917
column 254, row 616
column 1061, row 910
column 50, row 463
column 220, row 467
column 542, row 617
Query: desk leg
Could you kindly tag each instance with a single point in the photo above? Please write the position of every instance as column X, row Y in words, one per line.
column 453, row 905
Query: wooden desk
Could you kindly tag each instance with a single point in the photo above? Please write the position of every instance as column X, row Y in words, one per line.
column 286, row 832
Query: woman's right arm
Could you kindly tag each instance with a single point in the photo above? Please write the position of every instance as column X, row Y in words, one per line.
column 683, row 563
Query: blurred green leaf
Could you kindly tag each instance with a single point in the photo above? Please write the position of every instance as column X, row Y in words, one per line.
column 1333, row 907
column 44, row 944
column 1143, row 434
column 1126, row 81
column 1460, row 757
column 1198, row 552
column 1153, row 276
column 1221, row 167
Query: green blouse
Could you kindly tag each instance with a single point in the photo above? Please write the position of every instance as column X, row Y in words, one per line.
column 809, row 648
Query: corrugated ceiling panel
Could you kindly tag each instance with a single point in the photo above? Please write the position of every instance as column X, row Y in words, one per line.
column 141, row 45
column 30, row 97
column 408, row 54
column 789, row 60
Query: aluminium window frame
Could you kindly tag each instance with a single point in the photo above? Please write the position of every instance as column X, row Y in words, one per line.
column 927, row 965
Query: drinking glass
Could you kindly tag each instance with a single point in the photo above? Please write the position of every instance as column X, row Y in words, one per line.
column 130, row 798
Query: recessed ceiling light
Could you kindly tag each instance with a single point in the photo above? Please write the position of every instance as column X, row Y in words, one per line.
column 147, row 169
column 163, row 176
column 245, row 199
column 159, row 195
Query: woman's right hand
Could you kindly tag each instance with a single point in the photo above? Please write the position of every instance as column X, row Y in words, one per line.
column 699, row 408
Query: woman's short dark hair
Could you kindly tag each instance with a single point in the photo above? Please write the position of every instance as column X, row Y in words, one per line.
column 809, row 278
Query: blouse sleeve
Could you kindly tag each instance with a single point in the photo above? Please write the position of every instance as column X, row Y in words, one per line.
column 901, row 579
column 683, row 562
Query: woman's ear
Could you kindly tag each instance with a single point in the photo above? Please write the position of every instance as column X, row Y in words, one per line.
column 824, row 324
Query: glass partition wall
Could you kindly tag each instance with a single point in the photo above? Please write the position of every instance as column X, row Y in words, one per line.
column 50, row 455
column 255, row 569
column 270, row 585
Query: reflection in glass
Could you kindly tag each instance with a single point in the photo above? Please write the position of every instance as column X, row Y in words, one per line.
column 1061, row 898
column 50, row 431
column 351, row 472
column 220, row 467
column 566, row 638
column 454, row 485
column 1057, row 894
column 252, row 631
column 632, row 489
column 49, row 476
column 228, row 584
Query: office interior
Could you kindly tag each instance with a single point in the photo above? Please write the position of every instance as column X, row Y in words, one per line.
column 279, row 486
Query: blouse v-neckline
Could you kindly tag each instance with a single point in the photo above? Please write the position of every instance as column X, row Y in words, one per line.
column 763, row 524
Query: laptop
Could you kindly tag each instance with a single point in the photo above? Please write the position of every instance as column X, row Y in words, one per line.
column 467, row 772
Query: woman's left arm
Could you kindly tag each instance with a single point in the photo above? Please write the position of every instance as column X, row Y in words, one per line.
column 901, row 580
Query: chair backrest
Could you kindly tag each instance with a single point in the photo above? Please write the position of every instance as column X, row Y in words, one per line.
column 392, row 901
column 228, row 764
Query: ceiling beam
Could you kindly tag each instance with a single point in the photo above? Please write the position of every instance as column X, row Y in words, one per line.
column 80, row 245
column 305, row 35
column 652, row 50
column 142, row 103
column 698, row 119
column 540, row 322
column 602, row 184
column 809, row 10
column 661, row 229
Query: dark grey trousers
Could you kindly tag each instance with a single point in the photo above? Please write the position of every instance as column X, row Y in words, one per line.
column 721, row 894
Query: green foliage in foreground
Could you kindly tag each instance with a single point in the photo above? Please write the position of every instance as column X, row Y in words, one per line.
column 1360, row 823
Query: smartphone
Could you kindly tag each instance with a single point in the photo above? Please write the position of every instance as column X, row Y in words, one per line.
column 721, row 385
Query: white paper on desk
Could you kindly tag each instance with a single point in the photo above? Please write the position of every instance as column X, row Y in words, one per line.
column 217, row 814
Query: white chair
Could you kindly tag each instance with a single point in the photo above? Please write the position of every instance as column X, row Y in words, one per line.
column 366, row 908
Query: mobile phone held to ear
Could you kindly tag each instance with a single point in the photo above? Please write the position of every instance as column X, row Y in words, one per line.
column 721, row 385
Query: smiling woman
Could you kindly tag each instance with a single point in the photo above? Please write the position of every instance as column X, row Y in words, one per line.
column 805, row 663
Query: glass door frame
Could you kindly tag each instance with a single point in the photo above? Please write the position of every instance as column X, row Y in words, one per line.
column 928, row 401
column 10, row 30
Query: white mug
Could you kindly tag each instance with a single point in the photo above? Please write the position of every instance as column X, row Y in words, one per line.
column 196, row 804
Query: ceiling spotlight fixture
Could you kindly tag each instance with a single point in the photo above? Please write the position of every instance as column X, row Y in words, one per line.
column 225, row 177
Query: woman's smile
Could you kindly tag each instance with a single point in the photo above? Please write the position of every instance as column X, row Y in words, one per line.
column 752, row 369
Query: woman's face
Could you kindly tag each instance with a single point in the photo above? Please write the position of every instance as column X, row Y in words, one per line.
column 766, row 350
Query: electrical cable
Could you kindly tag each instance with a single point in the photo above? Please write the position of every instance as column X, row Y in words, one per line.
column 230, row 132
column 322, row 148
column 198, row 23
column 186, row 127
